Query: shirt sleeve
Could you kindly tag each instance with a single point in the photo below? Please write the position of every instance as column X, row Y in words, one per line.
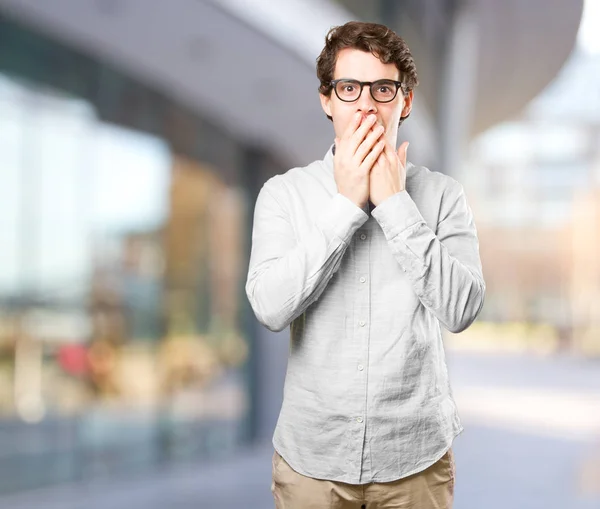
column 444, row 269
column 286, row 274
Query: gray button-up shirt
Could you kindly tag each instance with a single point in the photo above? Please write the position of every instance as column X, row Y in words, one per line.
column 366, row 396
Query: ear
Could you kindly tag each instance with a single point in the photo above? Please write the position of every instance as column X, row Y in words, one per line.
column 326, row 104
column 408, row 100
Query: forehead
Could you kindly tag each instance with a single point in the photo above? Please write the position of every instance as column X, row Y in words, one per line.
column 363, row 66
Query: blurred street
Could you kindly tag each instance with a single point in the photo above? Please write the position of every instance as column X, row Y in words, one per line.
column 135, row 139
column 520, row 449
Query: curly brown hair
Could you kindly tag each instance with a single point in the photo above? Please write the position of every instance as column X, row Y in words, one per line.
column 377, row 39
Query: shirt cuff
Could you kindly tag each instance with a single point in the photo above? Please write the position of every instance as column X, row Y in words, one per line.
column 396, row 214
column 342, row 217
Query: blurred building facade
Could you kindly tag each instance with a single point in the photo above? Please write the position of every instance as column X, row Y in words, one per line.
column 134, row 141
column 123, row 247
column 536, row 179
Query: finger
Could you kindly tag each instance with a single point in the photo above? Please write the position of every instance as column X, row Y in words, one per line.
column 390, row 155
column 382, row 160
column 373, row 156
column 389, row 149
column 352, row 126
column 360, row 134
column 402, row 153
column 367, row 144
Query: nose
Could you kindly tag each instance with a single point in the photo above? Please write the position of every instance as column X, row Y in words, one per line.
column 365, row 103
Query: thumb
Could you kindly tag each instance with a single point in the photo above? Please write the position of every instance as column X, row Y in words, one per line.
column 402, row 151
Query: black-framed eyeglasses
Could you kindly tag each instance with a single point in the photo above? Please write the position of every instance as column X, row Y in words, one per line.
column 382, row 91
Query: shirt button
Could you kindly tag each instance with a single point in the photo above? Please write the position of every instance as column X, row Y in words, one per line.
column 362, row 323
column 363, row 279
column 363, row 236
column 359, row 419
column 360, row 367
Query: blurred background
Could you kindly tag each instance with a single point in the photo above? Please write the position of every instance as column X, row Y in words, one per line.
column 134, row 137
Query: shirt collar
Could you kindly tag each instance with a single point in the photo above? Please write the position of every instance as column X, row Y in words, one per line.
column 328, row 159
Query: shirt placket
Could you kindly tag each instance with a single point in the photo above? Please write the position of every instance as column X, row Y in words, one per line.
column 362, row 334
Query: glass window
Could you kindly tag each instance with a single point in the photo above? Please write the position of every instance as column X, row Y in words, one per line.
column 122, row 268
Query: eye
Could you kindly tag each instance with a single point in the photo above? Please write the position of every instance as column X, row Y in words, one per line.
column 384, row 89
column 348, row 87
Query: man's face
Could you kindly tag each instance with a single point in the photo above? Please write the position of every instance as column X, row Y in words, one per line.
column 364, row 66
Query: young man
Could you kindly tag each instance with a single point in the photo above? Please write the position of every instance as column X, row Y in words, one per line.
column 364, row 255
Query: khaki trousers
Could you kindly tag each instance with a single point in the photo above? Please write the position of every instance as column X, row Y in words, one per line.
column 433, row 488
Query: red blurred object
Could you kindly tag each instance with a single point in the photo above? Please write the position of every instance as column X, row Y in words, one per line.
column 73, row 359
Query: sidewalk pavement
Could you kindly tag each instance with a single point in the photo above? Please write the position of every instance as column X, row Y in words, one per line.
column 239, row 482
column 531, row 441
